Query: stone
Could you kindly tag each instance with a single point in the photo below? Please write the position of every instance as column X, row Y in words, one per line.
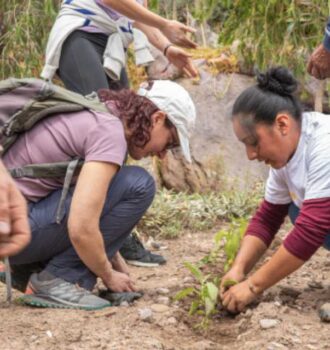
column 203, row 345
column 163, row 291
column 159, row 308
column 163, row 300
column 171, row 321
column 324, row 312
column 267, row 323
column 146, row 315
column 124, row 304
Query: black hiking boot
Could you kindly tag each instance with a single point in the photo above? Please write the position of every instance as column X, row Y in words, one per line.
column 135, row 254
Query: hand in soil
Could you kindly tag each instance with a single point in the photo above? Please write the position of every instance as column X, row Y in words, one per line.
column 119, row 264
column 233, row 275
column 237, row 297
column 119, row 282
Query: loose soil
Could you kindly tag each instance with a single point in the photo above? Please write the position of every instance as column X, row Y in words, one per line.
column 293, row 303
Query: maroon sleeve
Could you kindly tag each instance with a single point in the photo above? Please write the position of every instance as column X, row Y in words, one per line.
column 310, row 229
column 267, row 220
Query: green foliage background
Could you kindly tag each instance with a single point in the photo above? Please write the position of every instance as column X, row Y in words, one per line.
column 269, row 32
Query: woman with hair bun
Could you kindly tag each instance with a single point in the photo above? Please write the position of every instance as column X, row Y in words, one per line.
column 269, row 121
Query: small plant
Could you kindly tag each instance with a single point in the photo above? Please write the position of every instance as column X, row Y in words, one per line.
column 205, row 294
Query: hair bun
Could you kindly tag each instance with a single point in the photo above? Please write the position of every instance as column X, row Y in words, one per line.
column 278, row 80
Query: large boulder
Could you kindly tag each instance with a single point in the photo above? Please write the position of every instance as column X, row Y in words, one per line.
column 219, row 159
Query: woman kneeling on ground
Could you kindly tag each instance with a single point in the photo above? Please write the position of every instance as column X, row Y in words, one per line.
column 268, row 119
column 107, row 200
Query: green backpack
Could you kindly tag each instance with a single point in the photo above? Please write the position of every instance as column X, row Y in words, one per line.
column 23, row 103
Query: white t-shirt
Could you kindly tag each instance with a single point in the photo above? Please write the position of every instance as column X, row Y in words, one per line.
column 307, row 174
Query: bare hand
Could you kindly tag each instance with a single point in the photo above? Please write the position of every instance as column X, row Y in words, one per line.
column 237, row 297
column 119, row 264
column 181, row 60
column 233, row 274
column 319, row 63
column 176, row 34
column 14, row 226
column 119, row 282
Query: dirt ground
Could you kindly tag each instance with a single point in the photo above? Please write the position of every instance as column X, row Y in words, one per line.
column 290, row 308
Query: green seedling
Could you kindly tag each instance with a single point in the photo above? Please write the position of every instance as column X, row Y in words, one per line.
column 205, row 294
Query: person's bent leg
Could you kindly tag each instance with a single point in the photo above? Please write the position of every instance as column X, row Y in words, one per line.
column 81, row 64
column 130, row 194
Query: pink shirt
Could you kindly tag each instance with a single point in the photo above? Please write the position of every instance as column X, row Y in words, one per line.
column 89, row 135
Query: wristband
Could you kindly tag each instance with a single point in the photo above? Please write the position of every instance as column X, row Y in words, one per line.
column 166, row 48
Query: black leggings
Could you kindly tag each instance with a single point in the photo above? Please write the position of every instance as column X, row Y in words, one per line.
column 81, row 64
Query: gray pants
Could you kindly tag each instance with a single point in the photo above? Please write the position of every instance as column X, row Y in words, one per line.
column 130, row 194
column 81, row 64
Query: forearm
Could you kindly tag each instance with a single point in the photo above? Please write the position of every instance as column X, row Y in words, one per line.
column 135, row 11
column 90, row 248
column 155, row 36
column 252, row 248
column 282, row 264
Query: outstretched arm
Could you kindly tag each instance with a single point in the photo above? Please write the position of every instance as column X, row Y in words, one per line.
column 173, row 30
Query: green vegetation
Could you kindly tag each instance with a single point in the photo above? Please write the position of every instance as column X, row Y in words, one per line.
column 171, row 213
column 268, row 32
column 276, row 32
column 204, row 294
column 24, row 34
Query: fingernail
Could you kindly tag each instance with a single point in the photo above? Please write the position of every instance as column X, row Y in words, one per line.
column 4, row 227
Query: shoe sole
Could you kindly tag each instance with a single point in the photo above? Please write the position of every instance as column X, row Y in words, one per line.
column 42, row 302
column 143, row 264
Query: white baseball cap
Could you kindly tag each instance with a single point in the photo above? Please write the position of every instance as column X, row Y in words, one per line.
column 176, row 102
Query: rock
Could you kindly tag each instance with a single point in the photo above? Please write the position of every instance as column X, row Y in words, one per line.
column 159, row 308
column 324, row 312
column 171, row 321
column 146, row 315
column 203, row 345
column 49, row 334
column 267, row 323
column 163, row 291
column 163, row 300
column 124, row 304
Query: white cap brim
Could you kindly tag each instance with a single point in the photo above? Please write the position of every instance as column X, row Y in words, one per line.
column 184, row 144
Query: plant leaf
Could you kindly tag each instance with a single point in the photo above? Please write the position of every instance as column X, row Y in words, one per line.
column 212, row 291
column 196, row 272
column 184, row 293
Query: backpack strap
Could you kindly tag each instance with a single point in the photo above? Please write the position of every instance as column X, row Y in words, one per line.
column 67, row 182
column 45, row 170
column 51, row 170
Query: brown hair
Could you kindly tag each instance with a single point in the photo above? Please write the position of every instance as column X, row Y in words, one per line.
column 135, row 111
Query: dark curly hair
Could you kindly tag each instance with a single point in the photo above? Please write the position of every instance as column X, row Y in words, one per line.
column 135, row 111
